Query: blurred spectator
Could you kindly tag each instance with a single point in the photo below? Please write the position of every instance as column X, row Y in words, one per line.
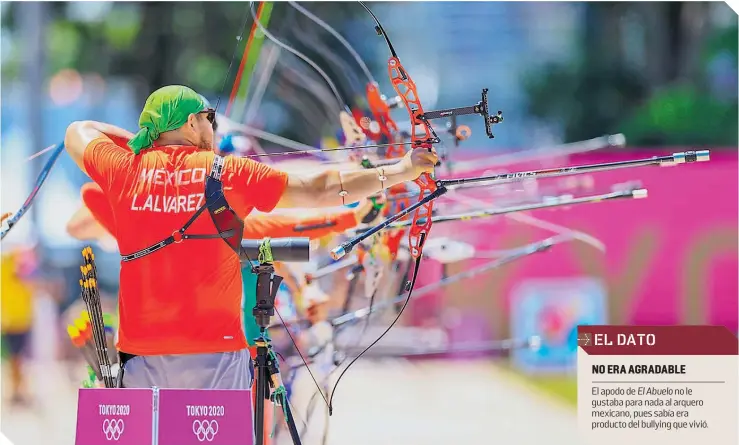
column 16, row 309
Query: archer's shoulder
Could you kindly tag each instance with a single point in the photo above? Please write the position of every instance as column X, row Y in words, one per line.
column 105, row 147
column 240, row 163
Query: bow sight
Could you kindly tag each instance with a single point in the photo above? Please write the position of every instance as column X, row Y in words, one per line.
column 480, row 108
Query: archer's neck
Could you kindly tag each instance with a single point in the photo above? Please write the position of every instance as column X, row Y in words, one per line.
column 171, row 138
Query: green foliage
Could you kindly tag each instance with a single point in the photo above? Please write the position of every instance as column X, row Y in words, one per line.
column 120, row 29
column 157, row 43
column 585, row 101
column 682, row 115
column 686, row 114
column 591, row 98
column 63, row 45
column 722, row 42
column 207, row 72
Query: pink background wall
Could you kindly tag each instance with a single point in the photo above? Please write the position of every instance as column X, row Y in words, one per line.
column 671, row 258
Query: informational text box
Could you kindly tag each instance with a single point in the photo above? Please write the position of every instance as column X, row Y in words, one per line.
column 644, row 385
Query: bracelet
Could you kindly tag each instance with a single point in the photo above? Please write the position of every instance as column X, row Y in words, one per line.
column 342, row 192
column 381, row 176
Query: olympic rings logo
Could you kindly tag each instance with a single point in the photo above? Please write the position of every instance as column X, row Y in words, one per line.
column 205, row 429
column 113, row 429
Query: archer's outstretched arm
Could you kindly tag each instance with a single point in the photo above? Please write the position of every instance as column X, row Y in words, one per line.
column 96, row 218
column 284, row 226
column 330, row 188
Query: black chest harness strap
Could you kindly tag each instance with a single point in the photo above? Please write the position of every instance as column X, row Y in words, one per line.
column 215, row 202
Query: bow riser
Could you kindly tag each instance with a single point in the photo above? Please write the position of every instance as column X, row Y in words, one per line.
column 388, row 128
column 406, row 89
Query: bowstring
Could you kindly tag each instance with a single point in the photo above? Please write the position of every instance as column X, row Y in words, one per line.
column 302, row 358
column 239, row 38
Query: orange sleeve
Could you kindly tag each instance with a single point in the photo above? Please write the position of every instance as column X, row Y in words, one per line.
column 106, row 162
column 95, row 201
column 258, row 185
column 281, row 226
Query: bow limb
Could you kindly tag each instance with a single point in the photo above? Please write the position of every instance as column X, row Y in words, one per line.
column 406, row 89
column 375, row 100
column 311, row 39
column 340, row 102
column 300, row 80
column 13, row 220
column 251, row 55
column 338, row 37
column 319, row 90
column 270, row 62
column 352, row 131
column 363, row 66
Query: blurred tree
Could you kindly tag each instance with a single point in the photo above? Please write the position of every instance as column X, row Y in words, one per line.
column 682, row 115
column 588, row 97
column 702, row 112
column 662, row 98
column 191, row 43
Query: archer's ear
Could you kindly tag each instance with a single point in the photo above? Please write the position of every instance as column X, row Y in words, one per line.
column 191, row 120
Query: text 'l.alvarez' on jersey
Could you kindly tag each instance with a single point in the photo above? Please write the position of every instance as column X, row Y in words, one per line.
column 255, row 226
column 186, row 298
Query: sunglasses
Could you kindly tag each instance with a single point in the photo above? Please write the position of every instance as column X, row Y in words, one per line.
column 210, row 114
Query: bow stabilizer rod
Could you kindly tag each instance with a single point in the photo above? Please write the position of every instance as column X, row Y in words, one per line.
column 441, row 186
column 521, row 252
column 347, row 246
column 547, row 203
column 673, row 159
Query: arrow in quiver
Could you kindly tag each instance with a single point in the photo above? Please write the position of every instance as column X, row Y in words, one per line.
column 91, row 297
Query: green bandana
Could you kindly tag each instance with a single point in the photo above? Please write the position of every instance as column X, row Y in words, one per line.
column 166, row 109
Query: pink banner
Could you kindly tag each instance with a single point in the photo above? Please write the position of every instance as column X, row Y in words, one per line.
column 670, row 258
column 121, row 416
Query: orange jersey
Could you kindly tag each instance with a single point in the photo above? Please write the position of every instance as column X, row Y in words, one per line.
column 185, row 298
